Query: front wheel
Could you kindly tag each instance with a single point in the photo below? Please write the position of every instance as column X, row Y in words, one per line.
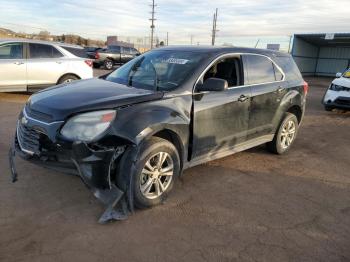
column 156, row 171
column 285, row 135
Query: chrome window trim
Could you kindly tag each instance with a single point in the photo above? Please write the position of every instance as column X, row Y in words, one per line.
column 41, row 122
column 240, row 86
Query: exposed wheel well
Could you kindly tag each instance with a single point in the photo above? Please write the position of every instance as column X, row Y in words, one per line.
column 296, row 110
column 173, row 138
column 68, row 74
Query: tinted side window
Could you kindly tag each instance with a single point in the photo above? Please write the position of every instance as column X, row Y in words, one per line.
column 134, row 51
column 43, row 51
column 114, row 49
column 126, row 50
column 260, row 69
column 11, row 51
column 79, row 52
column 289, row 67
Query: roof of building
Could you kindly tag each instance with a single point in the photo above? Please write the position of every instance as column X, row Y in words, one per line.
column 319, row 39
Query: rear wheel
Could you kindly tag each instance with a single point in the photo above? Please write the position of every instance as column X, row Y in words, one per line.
column 285, row 135
column 67, row 79
column 108, row 64
column 156, row 171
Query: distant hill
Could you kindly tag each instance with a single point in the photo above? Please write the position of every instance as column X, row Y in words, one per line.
column 45, row 35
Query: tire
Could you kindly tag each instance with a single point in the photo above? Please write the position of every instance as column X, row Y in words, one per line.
column 285, row 136
column 328, row 108
column 67, row 79
column 146, row 182
column 108, row 64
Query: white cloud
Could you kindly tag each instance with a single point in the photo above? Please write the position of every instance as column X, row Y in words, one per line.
column 236, row 18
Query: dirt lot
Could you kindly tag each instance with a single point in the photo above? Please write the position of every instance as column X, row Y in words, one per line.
column 252, row 206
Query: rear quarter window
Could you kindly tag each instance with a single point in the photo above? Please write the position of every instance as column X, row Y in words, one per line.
column 79, row 52
column 289, row 67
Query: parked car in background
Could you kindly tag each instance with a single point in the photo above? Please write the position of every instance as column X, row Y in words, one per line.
column 133, row 131
column 113, row 55
column 90, row 51
column 338, row 93
column 30, row 65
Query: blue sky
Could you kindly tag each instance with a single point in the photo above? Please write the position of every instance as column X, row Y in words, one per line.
column 238, row 20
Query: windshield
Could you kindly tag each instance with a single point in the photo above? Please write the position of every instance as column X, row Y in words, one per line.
column 347, row 73
column 157, row 70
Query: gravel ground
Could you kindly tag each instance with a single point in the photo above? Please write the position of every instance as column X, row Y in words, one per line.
column 252, row 206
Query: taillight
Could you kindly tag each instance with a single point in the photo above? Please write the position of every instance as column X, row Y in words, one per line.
column 306, row 87
column 97, row 55
column 88, row 62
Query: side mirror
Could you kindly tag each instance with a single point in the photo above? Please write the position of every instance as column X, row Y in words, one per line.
column 338, row 75
column 213, row 84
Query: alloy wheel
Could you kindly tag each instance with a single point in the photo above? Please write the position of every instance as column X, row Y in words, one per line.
column 156, row 175
column 69, row 80
column 288, row 134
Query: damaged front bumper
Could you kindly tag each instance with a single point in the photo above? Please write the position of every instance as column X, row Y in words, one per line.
column 95, row 166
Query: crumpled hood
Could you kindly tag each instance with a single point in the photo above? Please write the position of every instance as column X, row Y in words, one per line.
column 85, row 95
column 342, row 81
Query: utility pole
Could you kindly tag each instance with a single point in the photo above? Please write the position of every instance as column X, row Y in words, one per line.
column 191, row 39
column 214, row 30
column 256, row 45
column 167, row 38
column 152, row 19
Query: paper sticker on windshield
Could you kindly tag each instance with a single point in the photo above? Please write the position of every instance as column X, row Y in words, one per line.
column 178, row 61
column 347, row 74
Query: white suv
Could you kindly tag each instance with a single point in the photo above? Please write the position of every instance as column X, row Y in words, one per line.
column 338, row 93
column 29, row 65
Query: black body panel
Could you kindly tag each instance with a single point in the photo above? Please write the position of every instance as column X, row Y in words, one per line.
column 202, row 125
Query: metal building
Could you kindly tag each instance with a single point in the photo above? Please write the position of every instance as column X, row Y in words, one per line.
column 321, row 54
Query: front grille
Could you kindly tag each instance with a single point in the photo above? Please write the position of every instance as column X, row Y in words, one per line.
column 38, row 115
column 343, row 101
column 28, row 139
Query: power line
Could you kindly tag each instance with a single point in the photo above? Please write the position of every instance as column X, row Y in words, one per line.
column 214, row 30
column 152, row 22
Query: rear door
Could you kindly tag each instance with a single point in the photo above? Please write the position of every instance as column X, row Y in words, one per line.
column 268, row 87
column 45, row 65
column 12, row 67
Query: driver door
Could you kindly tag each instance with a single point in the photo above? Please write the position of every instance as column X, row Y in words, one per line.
column 221, row 118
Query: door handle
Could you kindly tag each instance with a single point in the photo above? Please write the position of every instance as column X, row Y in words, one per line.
column 243, row 98
column 280, row 90
column 18, row 63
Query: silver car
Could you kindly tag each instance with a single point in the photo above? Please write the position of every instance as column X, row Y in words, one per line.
column 29, row 65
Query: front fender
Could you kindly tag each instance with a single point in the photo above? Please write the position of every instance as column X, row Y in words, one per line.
column 138, row 122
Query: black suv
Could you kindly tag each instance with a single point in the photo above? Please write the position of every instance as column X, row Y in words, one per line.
column 113, row 55
column 130, row 134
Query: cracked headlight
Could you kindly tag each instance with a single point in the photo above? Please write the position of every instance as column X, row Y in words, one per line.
column 88, row 126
